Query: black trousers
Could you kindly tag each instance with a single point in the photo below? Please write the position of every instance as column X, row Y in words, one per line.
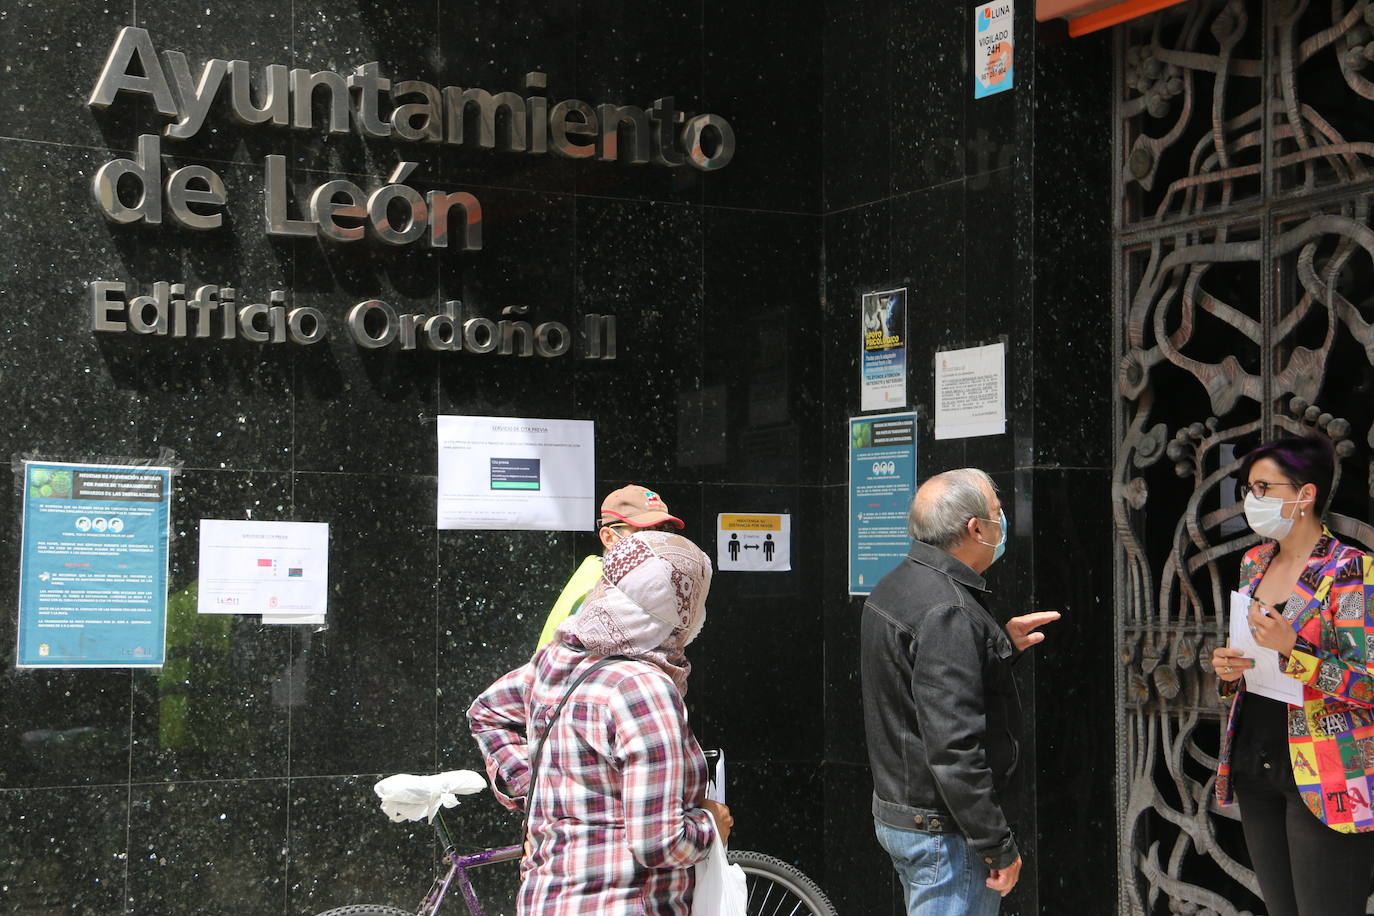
column 1304, row 867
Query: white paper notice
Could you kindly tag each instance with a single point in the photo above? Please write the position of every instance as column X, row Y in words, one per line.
column 753, row 543
column 970, row 392
column 1266, row 678
column 514, row 474
column 276, row 569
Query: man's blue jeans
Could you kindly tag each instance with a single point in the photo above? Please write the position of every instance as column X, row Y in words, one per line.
column 940, row 874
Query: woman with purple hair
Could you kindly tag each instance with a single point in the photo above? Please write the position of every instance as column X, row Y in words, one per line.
column 1303, row 774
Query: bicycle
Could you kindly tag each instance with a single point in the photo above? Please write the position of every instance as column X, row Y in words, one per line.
column 776, row 888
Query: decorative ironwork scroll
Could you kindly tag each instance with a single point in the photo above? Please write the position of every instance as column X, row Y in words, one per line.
column 1244, row 311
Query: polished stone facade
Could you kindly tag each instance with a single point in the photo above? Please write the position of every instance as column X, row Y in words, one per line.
column 239, row 777
column 995, row 214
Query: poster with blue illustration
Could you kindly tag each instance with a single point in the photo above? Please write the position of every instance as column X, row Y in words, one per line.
column 993, row 48
column 882, row 480
column 93, row 566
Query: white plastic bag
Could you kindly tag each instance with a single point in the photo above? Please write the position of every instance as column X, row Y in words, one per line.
column 409, row 798
column 721, row 887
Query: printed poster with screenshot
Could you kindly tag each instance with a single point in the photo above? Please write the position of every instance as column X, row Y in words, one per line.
column 277, row 569
column 753, row 542
column 882, row 480
column 93, row 566
column 516, row 474
column 993, row 48
column 883, row 372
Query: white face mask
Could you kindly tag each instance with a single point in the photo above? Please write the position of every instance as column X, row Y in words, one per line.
column 1265, row 516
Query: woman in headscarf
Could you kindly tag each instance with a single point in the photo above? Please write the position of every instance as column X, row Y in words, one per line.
column 618, row 815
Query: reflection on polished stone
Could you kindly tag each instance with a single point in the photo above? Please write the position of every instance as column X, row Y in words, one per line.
column 65, row 849
column 495, row 589
column 771, row 170
column 369, row 675
column 763, row 375
column 857, row 104
column 223, row 842
column 344, row 850
column 858, row 874
column 643, row 262
column 857, row 244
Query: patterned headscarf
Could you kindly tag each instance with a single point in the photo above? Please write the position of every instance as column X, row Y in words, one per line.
column 649, row 604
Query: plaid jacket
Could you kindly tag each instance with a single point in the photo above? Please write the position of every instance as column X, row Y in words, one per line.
column 615, row 824
column 1331, row 736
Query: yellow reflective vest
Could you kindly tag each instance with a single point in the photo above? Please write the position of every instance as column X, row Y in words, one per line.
column 570, row 600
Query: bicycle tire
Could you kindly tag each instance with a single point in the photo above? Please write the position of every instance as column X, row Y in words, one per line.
column 367, row 909
column 779, row 889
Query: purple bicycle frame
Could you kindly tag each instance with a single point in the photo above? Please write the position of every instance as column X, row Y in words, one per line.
column 458, row 870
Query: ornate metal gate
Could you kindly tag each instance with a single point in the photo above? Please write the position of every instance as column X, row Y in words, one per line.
column 1244, row 290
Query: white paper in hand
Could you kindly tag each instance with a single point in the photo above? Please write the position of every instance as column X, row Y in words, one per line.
column 1266, row 678
column 715, row 785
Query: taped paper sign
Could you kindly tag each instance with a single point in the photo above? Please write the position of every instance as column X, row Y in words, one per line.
column 753, row 543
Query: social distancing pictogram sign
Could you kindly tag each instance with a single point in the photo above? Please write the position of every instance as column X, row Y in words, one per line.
column 753, row 542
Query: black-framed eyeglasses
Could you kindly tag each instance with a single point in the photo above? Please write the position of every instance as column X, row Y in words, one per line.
column 1261, row 487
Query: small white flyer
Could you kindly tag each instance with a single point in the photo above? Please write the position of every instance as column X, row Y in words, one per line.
column 993, row 48
column 970, row 392
column 753, row 542
column 1266, row 678
column 517, row 474
column 276, row 569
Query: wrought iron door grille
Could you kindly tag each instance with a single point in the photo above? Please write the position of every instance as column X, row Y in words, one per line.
column 1244, row 309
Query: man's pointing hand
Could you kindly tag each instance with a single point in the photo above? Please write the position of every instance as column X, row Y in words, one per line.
column 1023, row 629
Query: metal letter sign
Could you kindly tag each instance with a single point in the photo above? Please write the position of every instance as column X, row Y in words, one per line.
column 342, row 212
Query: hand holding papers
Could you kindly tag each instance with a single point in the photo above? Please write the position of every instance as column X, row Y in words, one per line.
column 1267, row 677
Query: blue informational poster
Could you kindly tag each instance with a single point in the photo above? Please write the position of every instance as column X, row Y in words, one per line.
column 93, row 566
column 882, row 480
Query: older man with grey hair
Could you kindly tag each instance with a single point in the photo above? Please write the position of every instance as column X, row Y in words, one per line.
column 941, row 711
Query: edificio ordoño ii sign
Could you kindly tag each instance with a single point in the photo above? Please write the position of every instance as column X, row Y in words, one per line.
column 339, row 211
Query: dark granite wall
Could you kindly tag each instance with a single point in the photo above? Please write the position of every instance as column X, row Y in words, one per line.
column 994, row 213
column 238, row 780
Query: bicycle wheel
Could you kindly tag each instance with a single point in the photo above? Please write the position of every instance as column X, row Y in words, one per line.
column 367, row 909
column 778, row 889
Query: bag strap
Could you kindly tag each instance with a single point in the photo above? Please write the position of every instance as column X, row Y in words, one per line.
column 537, row 754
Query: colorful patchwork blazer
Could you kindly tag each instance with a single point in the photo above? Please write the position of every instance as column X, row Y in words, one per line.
column 1331, row 736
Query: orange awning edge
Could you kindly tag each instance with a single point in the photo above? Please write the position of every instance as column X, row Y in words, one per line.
column 1117, row 14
